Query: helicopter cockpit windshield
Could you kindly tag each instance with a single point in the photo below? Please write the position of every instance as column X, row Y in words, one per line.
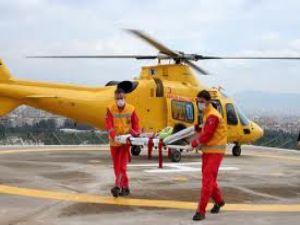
column 243, row 118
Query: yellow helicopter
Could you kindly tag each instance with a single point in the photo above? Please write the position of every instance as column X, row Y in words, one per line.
column 163, row 94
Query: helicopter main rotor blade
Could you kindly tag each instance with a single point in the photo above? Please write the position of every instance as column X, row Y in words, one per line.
column 195, row 67
column 95, row 56
column 201, row 57
column 156, row 44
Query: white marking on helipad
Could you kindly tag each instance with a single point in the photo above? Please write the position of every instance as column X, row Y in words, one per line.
column 178, row 167
column 165, row 164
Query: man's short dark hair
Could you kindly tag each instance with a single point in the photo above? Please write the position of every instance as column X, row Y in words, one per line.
column 204, row 94
column 119, row 91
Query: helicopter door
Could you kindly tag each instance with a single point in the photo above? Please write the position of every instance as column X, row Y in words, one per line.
column 232, row 122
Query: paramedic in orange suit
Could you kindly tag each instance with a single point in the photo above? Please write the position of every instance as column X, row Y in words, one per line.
column 121, row 119
column 212, row 139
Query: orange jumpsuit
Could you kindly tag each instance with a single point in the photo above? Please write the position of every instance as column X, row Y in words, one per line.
column 213, row 139
column 120, row 122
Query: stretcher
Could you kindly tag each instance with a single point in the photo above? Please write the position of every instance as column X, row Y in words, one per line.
column 174, row 143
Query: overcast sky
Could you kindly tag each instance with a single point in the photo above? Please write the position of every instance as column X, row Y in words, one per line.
column 213, row 27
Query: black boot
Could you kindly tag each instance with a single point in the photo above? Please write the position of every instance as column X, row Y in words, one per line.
column 125, row 192
column 115, row 191
column 198, row 216
column 216, row 208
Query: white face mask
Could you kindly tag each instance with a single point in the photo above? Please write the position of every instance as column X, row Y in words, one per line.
column 201, row 106
column 120, row 103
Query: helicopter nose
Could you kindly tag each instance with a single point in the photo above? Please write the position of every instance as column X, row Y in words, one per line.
column 257, row 131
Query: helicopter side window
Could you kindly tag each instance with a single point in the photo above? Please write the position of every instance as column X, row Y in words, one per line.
column 183, row 111
column 231, row 114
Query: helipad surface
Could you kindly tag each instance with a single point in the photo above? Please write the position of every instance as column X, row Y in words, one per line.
column 70, row 185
